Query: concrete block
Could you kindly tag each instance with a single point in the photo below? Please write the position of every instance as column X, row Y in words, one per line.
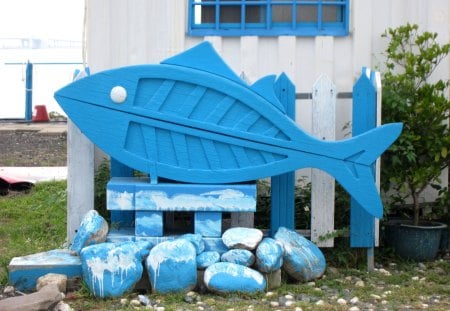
column 24, row 271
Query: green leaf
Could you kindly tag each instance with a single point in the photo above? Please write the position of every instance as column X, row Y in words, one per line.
column 444, row 152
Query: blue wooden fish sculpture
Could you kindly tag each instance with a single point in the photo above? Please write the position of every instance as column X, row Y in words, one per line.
column 192, row 119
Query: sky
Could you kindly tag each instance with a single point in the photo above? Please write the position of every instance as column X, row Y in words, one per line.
column 43, row 19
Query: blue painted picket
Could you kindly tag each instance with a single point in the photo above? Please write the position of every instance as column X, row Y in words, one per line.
column 362, row 224
column 282, row 213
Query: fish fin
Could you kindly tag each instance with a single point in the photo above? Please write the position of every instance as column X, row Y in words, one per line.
column 358, row 177
column 373, row 143
column 264, row 87
column 205, row 58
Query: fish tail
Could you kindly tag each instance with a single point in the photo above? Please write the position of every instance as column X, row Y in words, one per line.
column 357, row 156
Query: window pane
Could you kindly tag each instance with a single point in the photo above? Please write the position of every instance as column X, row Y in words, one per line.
column 281, row 13
column 208, row 12
column 255, row 14
column 306, row 13
column 331, row 13
column 230, row 14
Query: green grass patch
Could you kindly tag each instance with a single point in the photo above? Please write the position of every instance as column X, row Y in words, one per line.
column 32, row 222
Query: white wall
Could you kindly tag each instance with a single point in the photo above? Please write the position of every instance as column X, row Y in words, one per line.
column 125, row 32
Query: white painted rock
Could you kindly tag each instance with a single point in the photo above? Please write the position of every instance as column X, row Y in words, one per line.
column 196, row 240
column 226, row 277
column 242, row 238
column 172, row 266
column 110, row 270
column 93, row 230
column 302, row 259
column 241, row 257
column 205, row 259
column 269, row 255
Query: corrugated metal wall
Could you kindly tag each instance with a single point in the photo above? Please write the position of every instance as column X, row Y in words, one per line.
column 125, row 32
column 129, row 32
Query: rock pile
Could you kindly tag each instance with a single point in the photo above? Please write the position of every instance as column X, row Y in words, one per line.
column 252, row 263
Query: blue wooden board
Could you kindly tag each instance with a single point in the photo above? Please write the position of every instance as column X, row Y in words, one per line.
column 24, row 271
column 149, row 223
column 196, row 197
column 282, row 212
column 208, row 224
column 180, row 121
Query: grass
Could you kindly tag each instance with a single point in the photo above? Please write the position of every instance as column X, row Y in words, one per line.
column 36, row 221
column 32, row 222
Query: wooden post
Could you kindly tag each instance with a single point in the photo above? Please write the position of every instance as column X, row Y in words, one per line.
column 283, row 186
column 29, row 92
column 80, row 178
column 322, row 184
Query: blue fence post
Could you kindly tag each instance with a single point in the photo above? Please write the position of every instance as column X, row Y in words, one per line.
column 29, row 92
column 282, row 212
column 362, row 224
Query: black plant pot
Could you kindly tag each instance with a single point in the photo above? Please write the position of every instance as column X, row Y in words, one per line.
column 418, row 243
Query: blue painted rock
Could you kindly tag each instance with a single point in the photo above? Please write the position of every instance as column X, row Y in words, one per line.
column 269, row 255
column 144, row 247
column 239, row 256
column 205, row 259
column 302, row 259
column 110, row 270
column 242, row 238
column 196, row 240
column 172, row 266
column 226, row 277
column 93, row 230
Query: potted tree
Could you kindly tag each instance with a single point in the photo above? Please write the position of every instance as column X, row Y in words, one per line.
column 415, row 161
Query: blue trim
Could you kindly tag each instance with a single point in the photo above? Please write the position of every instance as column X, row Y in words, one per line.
column 266, row 27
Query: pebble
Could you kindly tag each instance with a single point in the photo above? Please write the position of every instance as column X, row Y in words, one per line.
column 415, row 278
column 270, row 294
column 320, row 303
column 354, row 308
column 298, row 309
column 9, row 290
column 360, row 284
column 144, row 300
column 289, row 303
column 376, row 297
column 274, row 304
column 135, row 303
column 123, row 301
column 421, row 266
column 354, row 300
column 342, row 301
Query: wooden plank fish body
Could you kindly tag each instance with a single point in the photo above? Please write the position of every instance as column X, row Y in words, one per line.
column 192, row 119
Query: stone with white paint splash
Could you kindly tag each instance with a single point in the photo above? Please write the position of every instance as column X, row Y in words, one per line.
column 196, row 240
column 205, row 259
column 269, row 255
column 239, row 256
column 302, row 259
column 242, row 238
column 93, row 230
column 226, row 277
column 110, row 270
column 172, row 266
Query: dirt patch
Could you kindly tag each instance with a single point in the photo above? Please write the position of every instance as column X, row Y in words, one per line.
column 32, row 148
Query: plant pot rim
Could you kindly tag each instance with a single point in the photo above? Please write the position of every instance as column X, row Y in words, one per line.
column 423, row 224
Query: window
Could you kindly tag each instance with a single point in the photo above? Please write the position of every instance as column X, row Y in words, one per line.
column 268, row 17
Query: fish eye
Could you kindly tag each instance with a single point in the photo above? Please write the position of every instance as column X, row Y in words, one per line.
column 118, row 94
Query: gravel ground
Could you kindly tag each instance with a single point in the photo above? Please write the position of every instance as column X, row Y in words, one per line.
column 22, row 147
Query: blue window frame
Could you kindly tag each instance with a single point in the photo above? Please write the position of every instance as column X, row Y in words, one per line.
column 268, row 17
